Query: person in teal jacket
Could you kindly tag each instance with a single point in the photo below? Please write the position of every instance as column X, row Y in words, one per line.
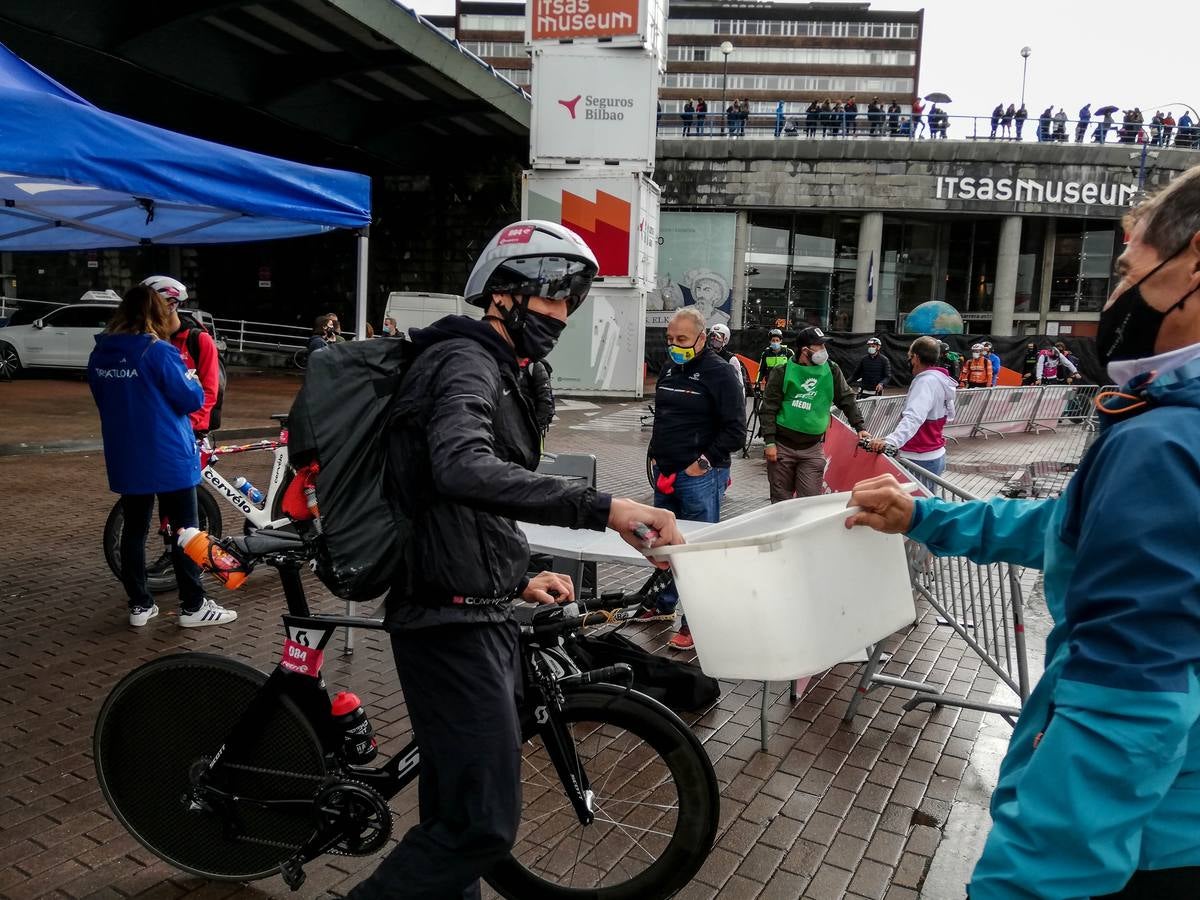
column 1099, row 793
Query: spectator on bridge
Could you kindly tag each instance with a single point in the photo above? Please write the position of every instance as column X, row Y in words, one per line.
column 1099, row 781
column 939, row 121
column 1006, row 121
column 1049, row 364
column 795, row 416
column 1044, row 123
column 996, row 114
column 1186, row 139
column 976, row 371
column 730, row 120
column 1060, row 125
column 145, row 393
column 774, row 356
column 874, row 371
column 699, row 419
column 1029, row 363
column 1019, row 118
column 893, row 118
column 1156, row 121
column 689, row 110
column 850, row 113
column 1085, row 116
column 1168, row 128
column 994, row 360
column 928, row 409
column 918, row 123
column 812, row 118
column 701, row 115
column 875, row 117
column 1101, row 131
column 779, row 118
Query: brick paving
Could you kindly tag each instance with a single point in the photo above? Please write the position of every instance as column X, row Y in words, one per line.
column 828, row 810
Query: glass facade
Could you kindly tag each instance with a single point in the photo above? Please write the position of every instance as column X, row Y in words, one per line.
column 792, row 28
column 801, row 270
column 840, row 85
column 796, row 55
column 1084, row 253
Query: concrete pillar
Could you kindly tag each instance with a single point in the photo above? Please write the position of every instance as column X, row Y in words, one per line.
column 1048, row 246
column 741, row 242
column 1008, row 257
column 870, row 251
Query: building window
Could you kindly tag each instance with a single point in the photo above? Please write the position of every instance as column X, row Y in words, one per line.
column 492, row 23
column 1083, row 258
column 800, row 56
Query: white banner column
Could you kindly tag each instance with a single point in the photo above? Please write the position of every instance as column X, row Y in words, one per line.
column 360, row 286
column 741, row 240
column 1008, row 259
column 870, row 253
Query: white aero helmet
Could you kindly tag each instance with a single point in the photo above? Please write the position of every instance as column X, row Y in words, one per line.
column 168, row 288
column 533, row 258
column 873, row 342
column 721, row 330
column 977, row 347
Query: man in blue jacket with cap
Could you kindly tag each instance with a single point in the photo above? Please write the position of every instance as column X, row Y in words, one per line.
column 1099, row 794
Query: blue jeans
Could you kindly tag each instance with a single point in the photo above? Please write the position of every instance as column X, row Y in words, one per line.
column 697, row 498
column 936, row 466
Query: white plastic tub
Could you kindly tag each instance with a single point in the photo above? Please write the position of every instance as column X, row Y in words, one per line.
column 787, row 591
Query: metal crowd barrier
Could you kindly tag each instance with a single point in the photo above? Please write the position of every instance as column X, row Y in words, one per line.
column 982, row 603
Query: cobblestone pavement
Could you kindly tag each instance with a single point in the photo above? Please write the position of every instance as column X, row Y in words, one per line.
column 828, row 810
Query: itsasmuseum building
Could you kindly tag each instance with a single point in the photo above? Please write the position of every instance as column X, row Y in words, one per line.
column 852, row 235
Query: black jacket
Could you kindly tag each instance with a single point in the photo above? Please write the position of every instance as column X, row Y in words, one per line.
column 462, row 452
column 872, row 370
column 699, row 409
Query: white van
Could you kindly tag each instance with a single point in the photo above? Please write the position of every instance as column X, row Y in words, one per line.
column 418, row 309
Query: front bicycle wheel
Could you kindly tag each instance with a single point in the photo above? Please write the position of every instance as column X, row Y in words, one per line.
column 656, row 805
column 160, row 573
column 155, row 734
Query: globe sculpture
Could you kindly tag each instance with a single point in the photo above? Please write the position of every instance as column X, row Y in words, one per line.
column 934, row 317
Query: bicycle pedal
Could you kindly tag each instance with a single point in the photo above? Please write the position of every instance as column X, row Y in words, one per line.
column 292, row 872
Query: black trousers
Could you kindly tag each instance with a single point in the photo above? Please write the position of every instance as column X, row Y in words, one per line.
column 179, row 509
column 1182, row 883
column 461, row 684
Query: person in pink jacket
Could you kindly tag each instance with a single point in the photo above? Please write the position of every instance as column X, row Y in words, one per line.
column 928, row 409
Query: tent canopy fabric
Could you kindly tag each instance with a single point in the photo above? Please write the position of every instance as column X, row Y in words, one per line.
column 74, row 177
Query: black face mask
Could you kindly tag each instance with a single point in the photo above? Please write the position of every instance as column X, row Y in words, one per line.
column 1129, row 328
column 534, row 334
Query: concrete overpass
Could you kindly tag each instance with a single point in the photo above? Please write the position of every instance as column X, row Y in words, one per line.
column 1040, row 189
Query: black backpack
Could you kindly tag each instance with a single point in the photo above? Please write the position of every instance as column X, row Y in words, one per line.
column 194, row 326
column 339, row 420
column 680, row 686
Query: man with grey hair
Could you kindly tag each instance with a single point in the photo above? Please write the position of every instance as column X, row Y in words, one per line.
column 699, row 419
column 1099, row 793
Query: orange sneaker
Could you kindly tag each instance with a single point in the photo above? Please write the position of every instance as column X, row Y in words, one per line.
column 681, row 640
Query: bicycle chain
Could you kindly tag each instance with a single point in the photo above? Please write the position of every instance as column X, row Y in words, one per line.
column 259, row 770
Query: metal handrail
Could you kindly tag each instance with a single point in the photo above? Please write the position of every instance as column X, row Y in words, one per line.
column 242, row 333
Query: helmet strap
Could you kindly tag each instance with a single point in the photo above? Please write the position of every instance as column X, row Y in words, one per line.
column 513, row 319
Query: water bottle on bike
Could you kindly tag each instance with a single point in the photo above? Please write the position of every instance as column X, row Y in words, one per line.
column 253, row 494
column 205, row 552
column 358, row 741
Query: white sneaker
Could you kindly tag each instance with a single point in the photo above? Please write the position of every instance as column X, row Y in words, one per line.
column 208, row 614
column 139, row 617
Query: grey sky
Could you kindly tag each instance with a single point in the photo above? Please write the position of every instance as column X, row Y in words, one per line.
column 1126, row 54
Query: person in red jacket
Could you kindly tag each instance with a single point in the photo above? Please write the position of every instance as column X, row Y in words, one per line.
column 207, row 370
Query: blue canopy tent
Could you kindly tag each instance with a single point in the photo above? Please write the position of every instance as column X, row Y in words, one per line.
column 74, row 177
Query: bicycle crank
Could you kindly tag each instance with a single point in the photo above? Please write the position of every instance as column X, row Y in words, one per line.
column 355, row 815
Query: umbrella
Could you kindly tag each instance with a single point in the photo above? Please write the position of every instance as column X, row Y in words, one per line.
column 1106, row 110
column 937, row 97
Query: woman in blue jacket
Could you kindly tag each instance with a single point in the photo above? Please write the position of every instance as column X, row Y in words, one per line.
column 144, row 394
column 1099, row 793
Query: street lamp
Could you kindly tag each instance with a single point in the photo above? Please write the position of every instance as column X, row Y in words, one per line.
column 726, row 48
column 1025, row 51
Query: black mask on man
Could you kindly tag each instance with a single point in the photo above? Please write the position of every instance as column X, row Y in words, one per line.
column 1129, row 328
column 534, row 334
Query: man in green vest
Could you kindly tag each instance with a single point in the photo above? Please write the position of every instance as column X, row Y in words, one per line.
column 773, row 357
column 795, row 414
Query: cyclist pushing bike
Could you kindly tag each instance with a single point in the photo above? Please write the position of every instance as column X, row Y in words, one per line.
column 462, row 455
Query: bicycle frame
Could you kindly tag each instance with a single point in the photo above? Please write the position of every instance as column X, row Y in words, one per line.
column 259, row 518
column 298, row 677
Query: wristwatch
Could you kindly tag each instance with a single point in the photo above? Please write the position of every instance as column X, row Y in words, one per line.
column 703, row 463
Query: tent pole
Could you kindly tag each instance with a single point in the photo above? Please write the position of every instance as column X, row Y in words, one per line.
column 360, row 286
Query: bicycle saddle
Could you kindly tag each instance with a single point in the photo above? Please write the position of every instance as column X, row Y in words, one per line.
column 267, row 540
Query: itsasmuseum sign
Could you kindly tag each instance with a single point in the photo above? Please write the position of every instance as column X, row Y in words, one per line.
column 622, row 23
column 1028, row 190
